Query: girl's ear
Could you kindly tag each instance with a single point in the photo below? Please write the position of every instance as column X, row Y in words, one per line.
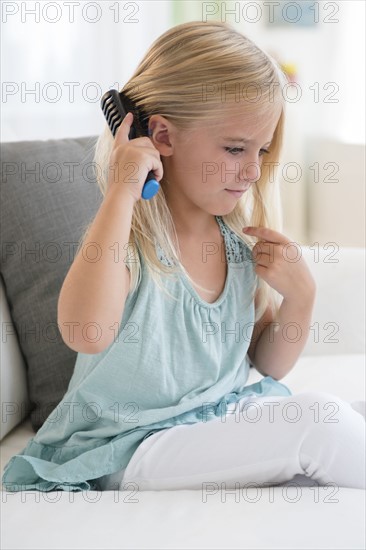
column 162, row 133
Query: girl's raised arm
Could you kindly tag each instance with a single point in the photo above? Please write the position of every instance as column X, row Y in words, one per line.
column 94, row 292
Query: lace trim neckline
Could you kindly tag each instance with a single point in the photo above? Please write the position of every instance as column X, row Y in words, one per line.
column 233, row 248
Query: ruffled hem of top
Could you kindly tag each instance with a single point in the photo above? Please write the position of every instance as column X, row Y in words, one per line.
column 36, row 469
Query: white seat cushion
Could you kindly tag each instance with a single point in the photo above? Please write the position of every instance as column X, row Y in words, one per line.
column 284, row 516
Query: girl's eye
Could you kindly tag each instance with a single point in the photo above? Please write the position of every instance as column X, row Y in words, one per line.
column 232, row 149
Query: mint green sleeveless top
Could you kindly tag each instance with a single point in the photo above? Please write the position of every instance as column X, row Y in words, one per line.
column 174, row 361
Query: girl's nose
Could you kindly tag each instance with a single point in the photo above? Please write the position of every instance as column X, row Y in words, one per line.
column 251, row 172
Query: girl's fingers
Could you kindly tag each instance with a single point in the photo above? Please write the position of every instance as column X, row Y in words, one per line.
column 124, row 129
column 266, row 234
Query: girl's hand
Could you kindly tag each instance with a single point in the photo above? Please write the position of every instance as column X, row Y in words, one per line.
column 131, row 160
column 279, row 263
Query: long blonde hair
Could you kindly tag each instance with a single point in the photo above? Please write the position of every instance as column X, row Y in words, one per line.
column 187, row 61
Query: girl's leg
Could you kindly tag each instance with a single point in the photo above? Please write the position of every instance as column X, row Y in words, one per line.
column 261, row 440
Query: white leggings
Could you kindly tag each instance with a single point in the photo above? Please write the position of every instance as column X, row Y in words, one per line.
column 261, row 440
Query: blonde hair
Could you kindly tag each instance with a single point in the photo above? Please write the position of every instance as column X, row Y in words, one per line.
column 187, row 61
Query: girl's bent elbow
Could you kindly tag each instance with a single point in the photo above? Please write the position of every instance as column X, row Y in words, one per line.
column 75, row 340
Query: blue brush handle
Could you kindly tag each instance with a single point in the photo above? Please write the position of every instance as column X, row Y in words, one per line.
column 151, row 186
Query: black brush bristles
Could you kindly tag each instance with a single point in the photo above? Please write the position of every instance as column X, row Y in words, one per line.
column 115, row 106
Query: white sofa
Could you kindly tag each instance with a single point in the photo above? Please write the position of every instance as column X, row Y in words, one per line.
column 292, row 515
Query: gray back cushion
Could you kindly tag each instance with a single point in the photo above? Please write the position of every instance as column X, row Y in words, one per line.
column 49, row 195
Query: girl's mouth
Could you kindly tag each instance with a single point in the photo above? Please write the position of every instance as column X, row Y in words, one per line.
column 236, row 194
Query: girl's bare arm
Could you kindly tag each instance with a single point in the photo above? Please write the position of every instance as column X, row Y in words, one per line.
column 96, row 287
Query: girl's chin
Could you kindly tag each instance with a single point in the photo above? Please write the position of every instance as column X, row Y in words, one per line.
column 223, row 211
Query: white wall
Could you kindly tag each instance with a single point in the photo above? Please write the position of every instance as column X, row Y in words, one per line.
column 336, row 200
column 94, row 56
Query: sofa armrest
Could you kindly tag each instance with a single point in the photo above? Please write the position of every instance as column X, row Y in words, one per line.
column 15, row 404
column 338, row 320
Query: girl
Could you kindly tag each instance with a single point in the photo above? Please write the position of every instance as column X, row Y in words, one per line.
column 171, row 299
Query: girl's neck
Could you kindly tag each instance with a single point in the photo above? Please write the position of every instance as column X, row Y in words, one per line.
column 196, row 229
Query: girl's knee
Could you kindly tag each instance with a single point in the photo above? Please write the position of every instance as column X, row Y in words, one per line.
column 330, row 416
column 318, row 396
column 320, row 411
column 321, row 404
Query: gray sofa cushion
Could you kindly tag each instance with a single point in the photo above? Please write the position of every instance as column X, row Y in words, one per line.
column 49, row 195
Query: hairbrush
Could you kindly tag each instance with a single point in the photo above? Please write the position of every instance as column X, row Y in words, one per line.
column 115, row 106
